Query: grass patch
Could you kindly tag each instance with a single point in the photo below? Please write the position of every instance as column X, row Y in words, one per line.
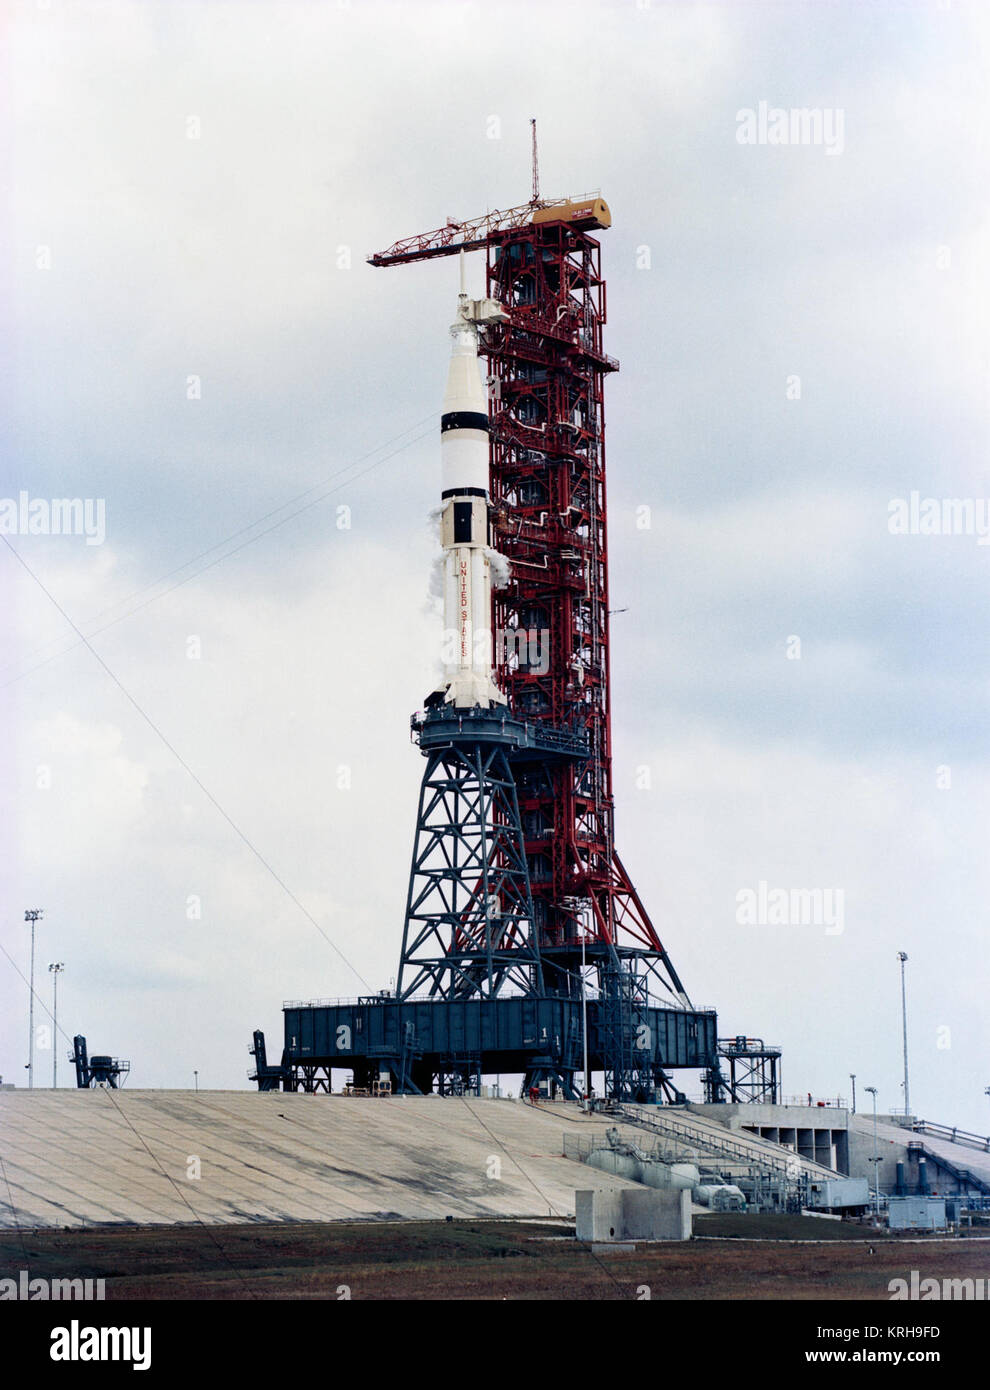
column 780, row 1226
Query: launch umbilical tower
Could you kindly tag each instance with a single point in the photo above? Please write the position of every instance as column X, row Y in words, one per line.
column 517, row 891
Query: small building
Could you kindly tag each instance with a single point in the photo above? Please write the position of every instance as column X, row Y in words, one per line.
column 831, row 1194
column 916, row 1213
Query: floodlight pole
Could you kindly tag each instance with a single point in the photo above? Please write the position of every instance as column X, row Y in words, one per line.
column 55, row 969
column 902, row 957
column 32, row 915
column 876, row 1155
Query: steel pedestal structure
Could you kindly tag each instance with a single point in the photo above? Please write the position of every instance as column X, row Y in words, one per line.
column 469, row 928
column 469, row 913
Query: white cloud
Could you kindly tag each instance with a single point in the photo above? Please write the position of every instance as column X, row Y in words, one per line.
column 218, row 256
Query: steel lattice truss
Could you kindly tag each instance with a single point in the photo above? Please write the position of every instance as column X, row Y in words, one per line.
column 469, row 914
column 547, row 370
column 625, row 1013
column 754, row 1072
column 470, row 235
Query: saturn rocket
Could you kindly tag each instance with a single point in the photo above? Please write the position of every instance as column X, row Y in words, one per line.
column 464, row 524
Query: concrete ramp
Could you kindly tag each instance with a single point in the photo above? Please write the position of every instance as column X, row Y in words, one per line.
column 892, row 1142
column 79, row 1158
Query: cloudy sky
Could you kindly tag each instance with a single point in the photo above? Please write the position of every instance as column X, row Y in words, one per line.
column 214, row 801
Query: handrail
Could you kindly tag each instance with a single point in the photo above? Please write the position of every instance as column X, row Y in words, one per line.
column 751, row 1152
column 953, row 1134
column 815, row 1103
column 670, row 1152
column 548, row 328
column 388, row 997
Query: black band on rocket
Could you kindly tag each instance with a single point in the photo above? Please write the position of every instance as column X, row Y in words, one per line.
column 463, row 420
column 463, row 492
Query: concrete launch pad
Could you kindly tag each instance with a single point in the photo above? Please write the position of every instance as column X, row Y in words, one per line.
column 97, row 1157
column 75, row 1158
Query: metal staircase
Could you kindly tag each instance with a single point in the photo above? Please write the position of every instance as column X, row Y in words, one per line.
column 700, row 1136
column 964, row 1176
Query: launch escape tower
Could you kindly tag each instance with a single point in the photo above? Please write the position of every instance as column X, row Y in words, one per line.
column 517, row 893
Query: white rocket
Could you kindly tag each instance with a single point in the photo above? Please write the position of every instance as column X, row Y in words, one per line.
column 464, row 527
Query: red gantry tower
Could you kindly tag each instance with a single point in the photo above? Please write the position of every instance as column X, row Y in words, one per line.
column 548, row 518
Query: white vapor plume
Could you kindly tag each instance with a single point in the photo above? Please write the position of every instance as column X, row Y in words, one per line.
column 500, row 569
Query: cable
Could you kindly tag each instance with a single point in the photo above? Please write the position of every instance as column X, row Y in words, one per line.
column 196, row 1217
column 603, row 1267
column 250, row 526
column 182, row 762
column 203, row 568
column 13, row 1212
column 37, row 996
column 198, row 1220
